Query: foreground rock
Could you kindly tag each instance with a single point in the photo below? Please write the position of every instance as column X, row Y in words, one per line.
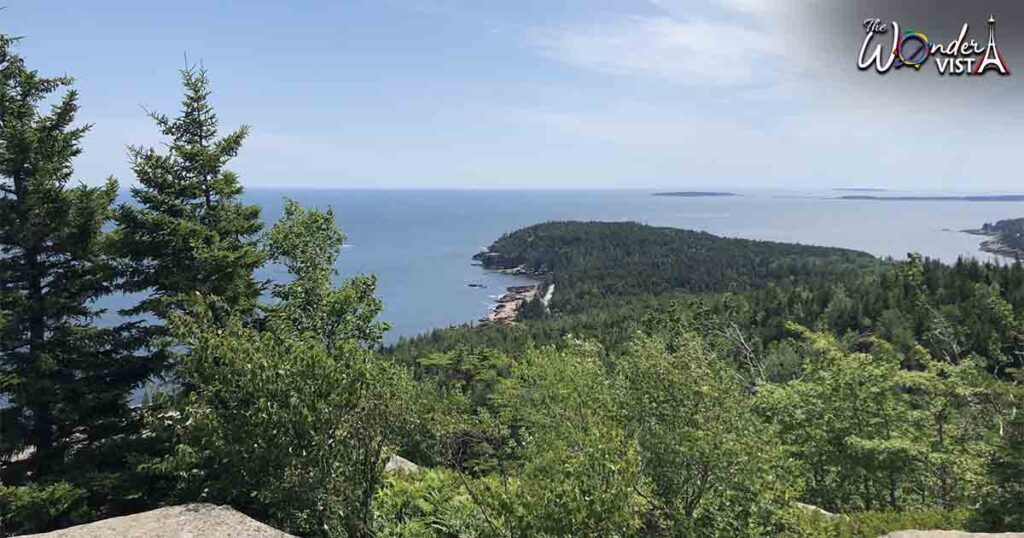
column 949, row 534
column 398, row 464
column 185, row 521
column 814, row 510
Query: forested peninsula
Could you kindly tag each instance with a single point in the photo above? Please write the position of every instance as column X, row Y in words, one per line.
column 1006, row 238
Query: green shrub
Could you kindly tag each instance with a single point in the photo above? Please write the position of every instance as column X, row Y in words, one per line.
column 426, row 504
column 40, row 508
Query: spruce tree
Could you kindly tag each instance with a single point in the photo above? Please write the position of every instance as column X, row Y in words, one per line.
column 188, row 236
column 65, row 380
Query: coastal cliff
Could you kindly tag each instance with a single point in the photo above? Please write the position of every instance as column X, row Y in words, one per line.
column 512, row 265
column 510, row 304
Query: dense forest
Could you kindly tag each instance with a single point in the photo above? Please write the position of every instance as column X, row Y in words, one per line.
column 805, row 345
column 679, row 384
column 593, row 262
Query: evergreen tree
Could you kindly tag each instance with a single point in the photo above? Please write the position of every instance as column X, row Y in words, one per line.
column 66, row 379
column 188, row 235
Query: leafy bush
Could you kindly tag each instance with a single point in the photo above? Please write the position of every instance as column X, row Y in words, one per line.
column 573, row 469
column 425, row 504
column 40, row 508
column 715, row 469
column 283, row 429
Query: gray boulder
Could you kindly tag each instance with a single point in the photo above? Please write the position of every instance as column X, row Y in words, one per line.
column 814, row 510
column 184, row 521
column 398, row 464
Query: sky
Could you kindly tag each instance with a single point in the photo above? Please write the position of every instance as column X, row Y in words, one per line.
column 660, row 94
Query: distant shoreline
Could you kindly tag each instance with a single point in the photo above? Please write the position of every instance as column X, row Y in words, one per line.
column 980, row 198
column 1003, row 238
column 994, row 245
column 695, row 194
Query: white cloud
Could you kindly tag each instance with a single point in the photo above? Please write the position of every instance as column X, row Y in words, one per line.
column 693, row 53
column 814, row 146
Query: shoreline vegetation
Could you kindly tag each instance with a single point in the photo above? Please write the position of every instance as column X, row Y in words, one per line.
column 1005, row 238
column 993, row 245
column 696, row 194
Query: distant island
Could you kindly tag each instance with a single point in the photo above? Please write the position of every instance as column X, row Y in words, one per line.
column 860, row 189
column 695, row 194
column 1006, row 237
column 978, row 198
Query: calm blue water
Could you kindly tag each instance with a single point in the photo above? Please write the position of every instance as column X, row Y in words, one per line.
column 419, row 243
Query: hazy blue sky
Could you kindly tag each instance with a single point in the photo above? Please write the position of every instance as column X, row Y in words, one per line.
column 542, row 93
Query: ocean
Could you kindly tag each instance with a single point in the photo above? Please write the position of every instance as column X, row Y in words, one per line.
column 419, row 243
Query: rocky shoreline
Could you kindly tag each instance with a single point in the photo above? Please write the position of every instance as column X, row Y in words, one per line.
column 506, row 310
column 993, row 245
